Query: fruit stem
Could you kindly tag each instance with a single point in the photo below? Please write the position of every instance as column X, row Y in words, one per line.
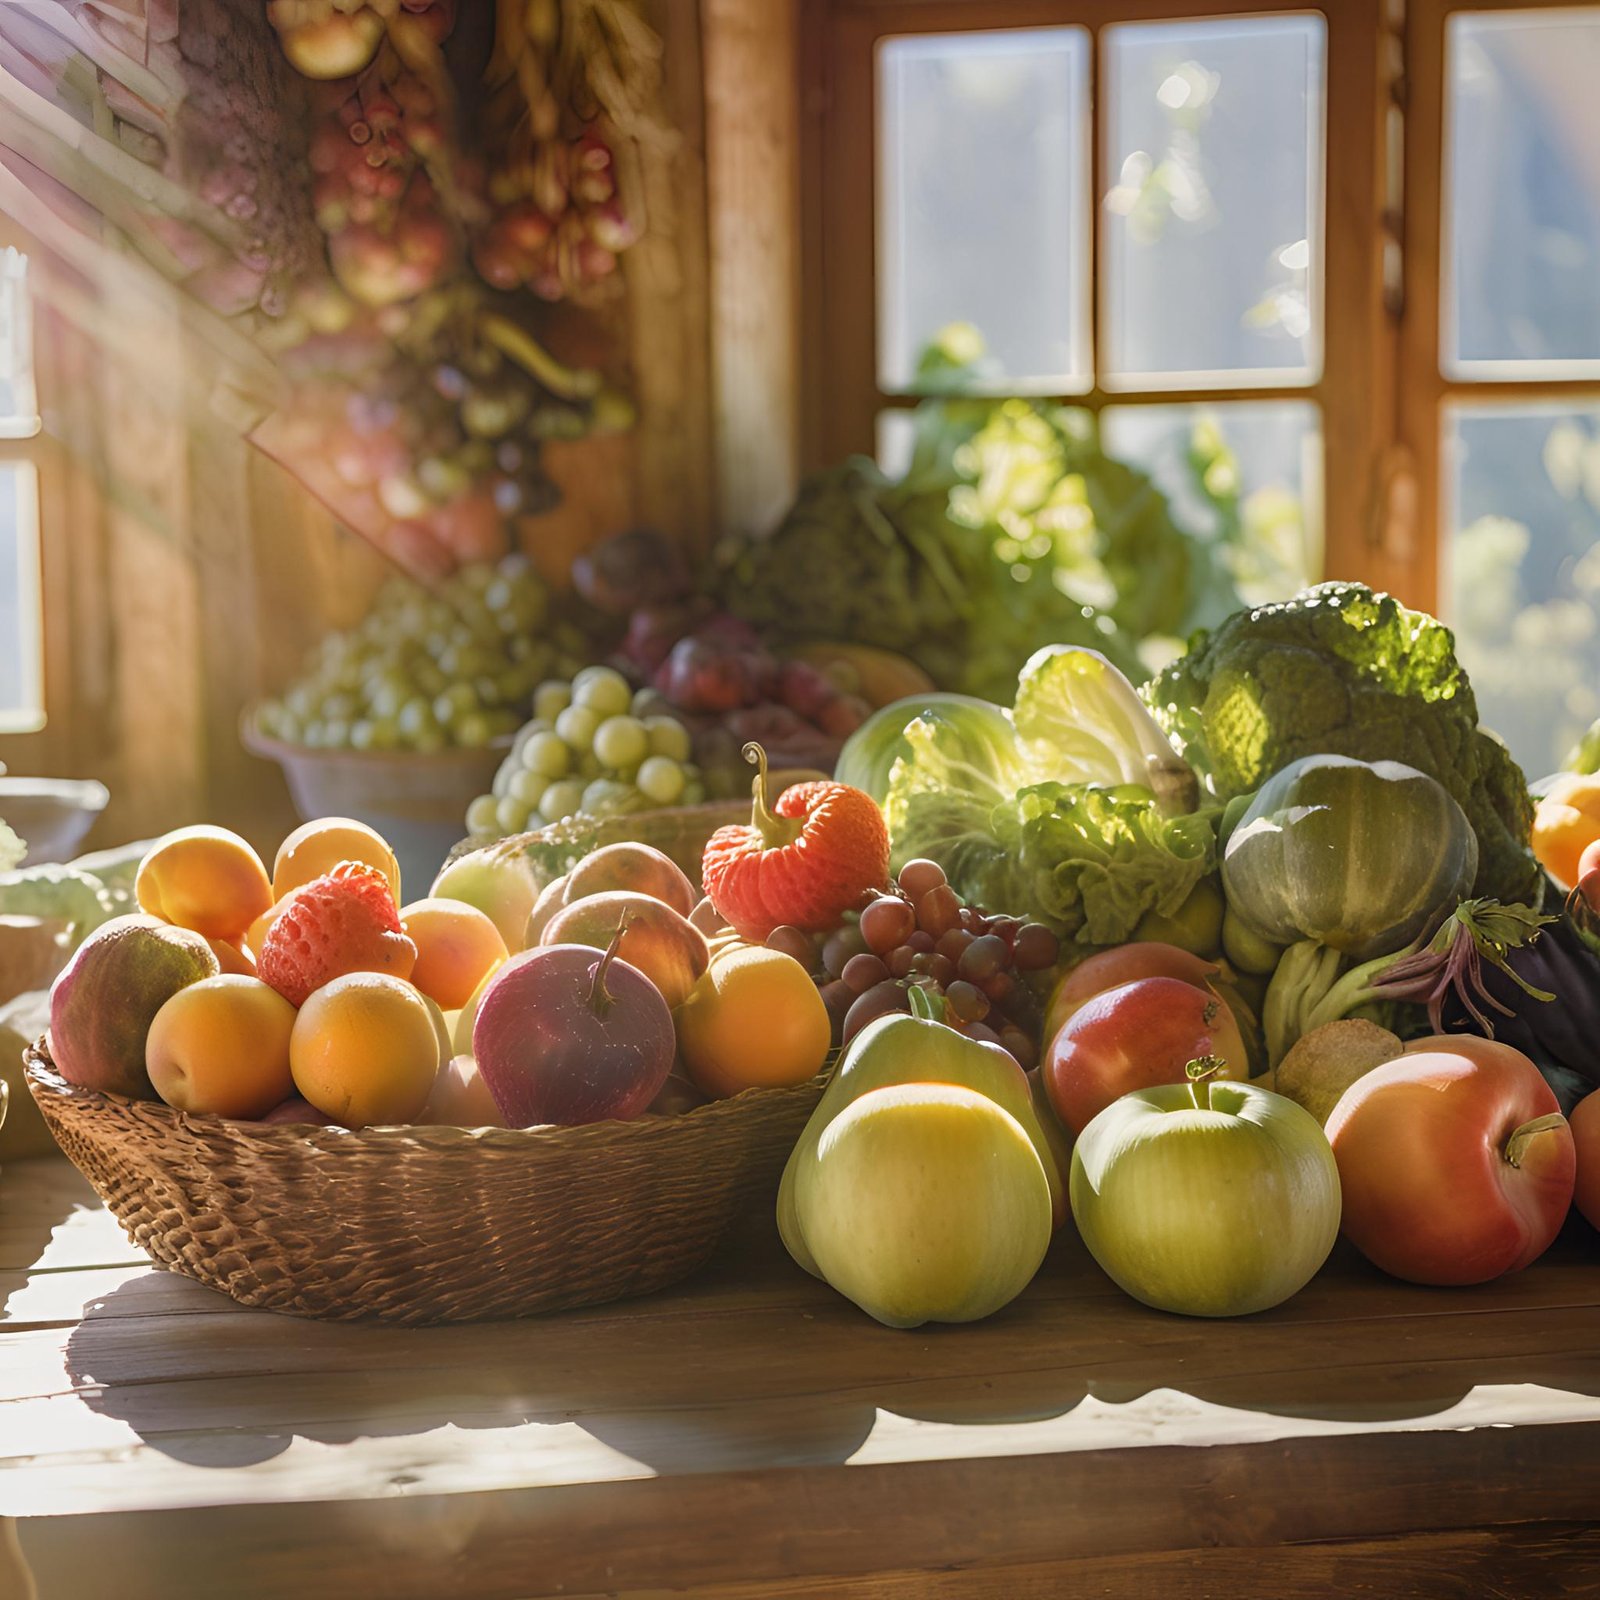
column 599, row 995
column 1200, row 1072
column 776, row 832
column 922, row 1005
column 1521, row 1138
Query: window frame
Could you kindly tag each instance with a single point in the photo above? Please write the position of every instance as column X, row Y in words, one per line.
column 1355, row 391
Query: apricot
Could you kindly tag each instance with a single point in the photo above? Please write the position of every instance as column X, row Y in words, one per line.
column 221, row 1047
column 754, row 1020
column 255, row 935
column 206, row 879
column 461, row 1028
column 236, row 958
column 364, row 1050
column 461, row 1098
column 457, row 948
column 316, row 848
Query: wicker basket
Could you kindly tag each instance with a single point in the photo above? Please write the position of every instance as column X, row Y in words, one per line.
column 421, row 1224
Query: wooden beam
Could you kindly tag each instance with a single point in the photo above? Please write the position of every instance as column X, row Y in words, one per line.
column 752, row 94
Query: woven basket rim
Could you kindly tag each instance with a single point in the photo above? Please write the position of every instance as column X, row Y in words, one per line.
column 43, row 1078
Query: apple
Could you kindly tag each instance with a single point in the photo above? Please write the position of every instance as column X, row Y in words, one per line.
column 1456, row 1164
column 1134, row 1037
column 1586, row 1137
column 1214, row 1199
column 1123, row 963
column 927, row 1202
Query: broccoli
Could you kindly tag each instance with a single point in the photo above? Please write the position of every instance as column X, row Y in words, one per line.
column 1344, row 670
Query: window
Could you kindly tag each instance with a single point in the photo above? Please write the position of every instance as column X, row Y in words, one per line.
column 21, row 645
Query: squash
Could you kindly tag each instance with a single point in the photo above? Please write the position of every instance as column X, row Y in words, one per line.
column 1358, row 856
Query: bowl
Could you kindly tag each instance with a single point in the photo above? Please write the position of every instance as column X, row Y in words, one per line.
column 51, row 815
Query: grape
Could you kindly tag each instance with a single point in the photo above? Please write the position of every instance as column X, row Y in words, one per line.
column 794, row 942
column 999, row 987
column 862, row 972
column 528, row 787
column 940, row 968
column 562, row 799
column 602, row 690
column 548, row 755
column 511, row 814
column 983, row 958
column 954, row 943
column 881, row 1000
column 1020, row 1045
column 918, row 877
column 694, row 794
column 577, row 725
column 921, row 941
column 899, row 961
column 660, row 779
column 939, row 910
column 473, row 731
column 483, row 815
column 1036, row 947
column 968, row 1003
column 589, row 766
column 983, row 1032
column 621, row 741
column 550, row 699
column 839, row 948
column 886, row 922
column 838, row 998
column 668, row 737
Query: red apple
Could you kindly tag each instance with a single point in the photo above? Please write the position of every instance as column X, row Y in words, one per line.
column 1586, row 1136
column 1456, row 1165
column 1136, row 1036
column 1125, row 963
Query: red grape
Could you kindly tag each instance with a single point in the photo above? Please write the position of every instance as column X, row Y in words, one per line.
column 841, row 945
column 939, row 910
column 999, row 987
column 982, row 1030
column 984, row 958
column 900, row 961
column 953, row 943
column 1036, row 947
column 1005, row 927
column 968, row 1003
column 1020, row 1045
column 918, row 877
column 888, row 921
column 794, row 942
column 863, row 971
column 879, row 1001
column 921, row 940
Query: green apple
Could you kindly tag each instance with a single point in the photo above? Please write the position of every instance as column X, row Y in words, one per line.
column 1211, row 1199
column 926, row 1202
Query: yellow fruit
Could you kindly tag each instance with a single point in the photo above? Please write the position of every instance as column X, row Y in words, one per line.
column 316, row 848
column 365, row 1049
column 755, row 1019
column 206, row 879
column 457, row 948
column 221, row 1046
column 1565, row 822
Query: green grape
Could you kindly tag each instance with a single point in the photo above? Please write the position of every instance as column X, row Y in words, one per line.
column 529, row 787
column 561, row 800
column 483, row 815
column 473, row 730
column 429, row 679
column 603, row 690
column 511, row 814
column 429, row 740
column 694, row 794
column 551, row 698
column 590, row 766
column 547, row 754
column 361, row 734
column 621, row 741
column 499, row 594
column 336, row 734
column 661, row 780
column 301, row 701
column 668, row 737
column 503, row 774
column 577, row 725
column 502, row 723
column 311, row 736
column 517, row 566
column 605, row 797
column 453, row 702
column 415, row 715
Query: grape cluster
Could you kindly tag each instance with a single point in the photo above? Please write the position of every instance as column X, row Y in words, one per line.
column 922, row 934
column 595, row 748
column 426, row 670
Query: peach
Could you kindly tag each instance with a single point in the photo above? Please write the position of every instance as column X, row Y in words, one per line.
column 295, row 1110
column 639, row 868
column 461, row 1098
column 364, row 1050
column 221, row 1047
column 659, row 942
column 256, row 934
column 316, row 848
column 206, row 879
column 237, row 958
column 457, row 948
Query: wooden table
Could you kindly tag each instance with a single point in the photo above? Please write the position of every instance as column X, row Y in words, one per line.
column 753, row 1434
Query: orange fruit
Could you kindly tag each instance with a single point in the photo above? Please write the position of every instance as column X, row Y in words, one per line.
column 1565, row 822
column 458, row 946
column 315, row 848
column 206, row 879
column 222, row 1046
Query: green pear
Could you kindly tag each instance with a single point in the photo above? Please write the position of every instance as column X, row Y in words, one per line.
column 901, row 1049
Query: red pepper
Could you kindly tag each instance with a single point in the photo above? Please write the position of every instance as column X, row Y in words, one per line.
column 803, row 860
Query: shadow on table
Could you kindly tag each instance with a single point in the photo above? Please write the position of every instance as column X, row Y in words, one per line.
column 758, row 1366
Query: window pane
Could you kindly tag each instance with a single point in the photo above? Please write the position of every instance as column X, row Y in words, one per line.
column 21, row 700
column 982, row 213
column 19, row 411
column 1213, row 210
column 1521, row 578
column 1523, row 208
column 1245, row 474
column 897, row 434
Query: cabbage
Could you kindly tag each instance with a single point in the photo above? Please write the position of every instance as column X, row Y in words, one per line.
column 869, row 754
